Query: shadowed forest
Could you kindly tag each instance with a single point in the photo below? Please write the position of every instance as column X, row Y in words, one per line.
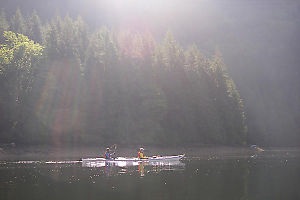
column 67, row 79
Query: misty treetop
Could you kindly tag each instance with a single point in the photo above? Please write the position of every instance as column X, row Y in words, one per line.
column 62, row 83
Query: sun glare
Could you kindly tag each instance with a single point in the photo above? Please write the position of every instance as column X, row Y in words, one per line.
column 142, row 5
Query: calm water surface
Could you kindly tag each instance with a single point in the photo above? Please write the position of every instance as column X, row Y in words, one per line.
column 258, row 177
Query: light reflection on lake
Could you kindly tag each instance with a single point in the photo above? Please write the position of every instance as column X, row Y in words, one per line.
column 122, row 167
column 271, row 175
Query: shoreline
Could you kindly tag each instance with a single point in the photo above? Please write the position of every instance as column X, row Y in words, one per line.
column 76, row 153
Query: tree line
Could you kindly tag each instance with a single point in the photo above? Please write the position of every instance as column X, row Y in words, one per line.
column 65, row 83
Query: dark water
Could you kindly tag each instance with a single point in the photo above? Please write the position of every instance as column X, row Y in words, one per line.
column 260, row 177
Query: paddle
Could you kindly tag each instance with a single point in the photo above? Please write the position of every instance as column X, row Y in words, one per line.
column 114, row 148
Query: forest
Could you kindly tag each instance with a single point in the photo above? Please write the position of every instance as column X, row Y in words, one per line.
column 80, row 72
column 63, row 83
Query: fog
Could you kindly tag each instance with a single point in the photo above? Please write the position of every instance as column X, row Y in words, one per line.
column 259, row 41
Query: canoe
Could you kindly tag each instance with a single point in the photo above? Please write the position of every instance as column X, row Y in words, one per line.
column 133, row 159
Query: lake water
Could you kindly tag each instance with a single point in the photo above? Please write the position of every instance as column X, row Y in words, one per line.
column 266, row 176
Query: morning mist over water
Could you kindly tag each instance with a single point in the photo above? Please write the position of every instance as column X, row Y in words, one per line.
column 131, row 99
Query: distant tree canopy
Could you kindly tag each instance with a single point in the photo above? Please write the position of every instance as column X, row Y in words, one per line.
column 64, row 84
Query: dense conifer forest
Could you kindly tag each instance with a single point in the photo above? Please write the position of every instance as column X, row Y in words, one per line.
column 80, row 72
column 61, row 81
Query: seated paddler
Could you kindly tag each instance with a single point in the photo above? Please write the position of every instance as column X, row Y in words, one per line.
column 141, row 154
column 107, row 154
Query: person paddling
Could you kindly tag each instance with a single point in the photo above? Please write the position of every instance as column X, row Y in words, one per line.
column 141, row 154
column 107, row 154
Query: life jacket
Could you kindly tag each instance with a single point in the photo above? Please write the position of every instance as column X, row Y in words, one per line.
column 107, row 155
column 141, row 155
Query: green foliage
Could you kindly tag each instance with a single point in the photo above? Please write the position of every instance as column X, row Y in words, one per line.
column 3, row 24
column 113, row 87
column 228, row 103
column 35, row 28
column 17, row 23
column 19, row 59
column 172, row 57
column 18, row 53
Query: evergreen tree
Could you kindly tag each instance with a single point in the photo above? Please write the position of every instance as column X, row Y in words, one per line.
column 82, row 38
column 113, row 87
column 206, row 128
column 228, row 104
column 103, row 84
column 52, row 40
column 169, row 67
column 17, row 23
column 3, row 25
column 35, row 28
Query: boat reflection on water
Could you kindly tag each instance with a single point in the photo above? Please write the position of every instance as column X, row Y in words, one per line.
column 143, row 167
